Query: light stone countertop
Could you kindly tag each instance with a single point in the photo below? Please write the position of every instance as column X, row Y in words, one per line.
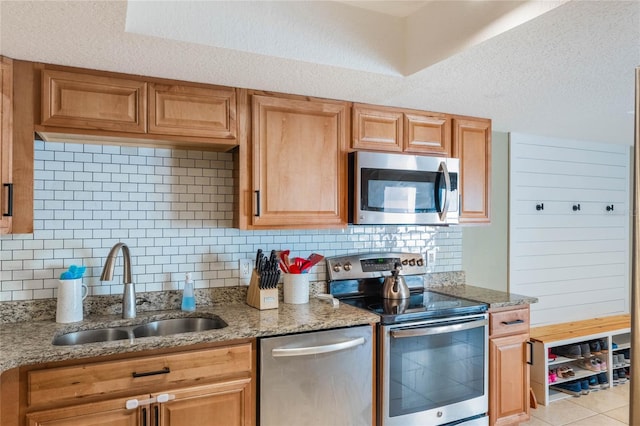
column 26, row 343
column 494, row 298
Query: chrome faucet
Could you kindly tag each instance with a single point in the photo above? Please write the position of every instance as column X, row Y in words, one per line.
column 129, row 297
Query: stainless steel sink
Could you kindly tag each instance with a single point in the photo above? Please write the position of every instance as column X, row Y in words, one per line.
column 91, row 336
column 164, row 327
column 178, row 325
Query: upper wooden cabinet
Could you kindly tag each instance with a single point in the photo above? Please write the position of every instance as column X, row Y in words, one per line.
column 192, row 111
column 6, row 144
column 116, row 107
column 299, row 172
column 389, row 129
column 85, row 101
column 472, row 145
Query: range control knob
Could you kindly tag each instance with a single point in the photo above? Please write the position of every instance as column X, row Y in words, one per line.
column 420, row 262
column 347, row 266
column 404, row 262
column 412, row 262
column 336, row 267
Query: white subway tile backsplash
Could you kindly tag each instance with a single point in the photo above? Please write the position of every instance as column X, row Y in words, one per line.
column 174, row 210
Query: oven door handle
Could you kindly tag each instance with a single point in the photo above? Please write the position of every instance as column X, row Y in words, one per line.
column 315, row 350
column 425, row 331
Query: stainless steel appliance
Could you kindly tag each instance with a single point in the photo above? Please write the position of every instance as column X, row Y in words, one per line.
column 402, row 189
column 432, row 348
column 317, row 379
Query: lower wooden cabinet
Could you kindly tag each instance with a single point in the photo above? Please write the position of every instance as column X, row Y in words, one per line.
column 207, row 387
column 508, row 367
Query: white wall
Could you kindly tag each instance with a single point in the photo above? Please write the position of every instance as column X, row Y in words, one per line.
column 484, row 247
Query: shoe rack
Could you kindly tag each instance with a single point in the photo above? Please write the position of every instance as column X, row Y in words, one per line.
column 542, row 363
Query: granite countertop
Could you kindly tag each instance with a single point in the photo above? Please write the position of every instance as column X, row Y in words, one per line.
column 25, row 343
column 494, row 298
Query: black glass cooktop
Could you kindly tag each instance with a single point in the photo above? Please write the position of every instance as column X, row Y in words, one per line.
column 421, row 305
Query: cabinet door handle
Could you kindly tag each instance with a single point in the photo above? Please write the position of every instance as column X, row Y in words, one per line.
column 530, row 361
column 165, row 370
column 257, row 203
column 9, row 187
column 144, row 416
column 156, row 414
column 514, row 322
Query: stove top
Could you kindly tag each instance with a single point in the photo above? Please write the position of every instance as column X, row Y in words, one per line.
column 357, row 280
column 419, row 306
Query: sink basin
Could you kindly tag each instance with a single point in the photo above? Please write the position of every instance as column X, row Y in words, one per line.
column 178, row 325
column 91, row 336
column 155, row 328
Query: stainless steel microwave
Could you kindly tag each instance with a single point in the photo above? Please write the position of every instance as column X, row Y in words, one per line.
column 397, row 189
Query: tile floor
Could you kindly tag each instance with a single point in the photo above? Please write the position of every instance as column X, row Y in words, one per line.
column 609, row 407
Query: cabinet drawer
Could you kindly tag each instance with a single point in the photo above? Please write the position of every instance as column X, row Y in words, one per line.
column 513, row 321
column 132, row 375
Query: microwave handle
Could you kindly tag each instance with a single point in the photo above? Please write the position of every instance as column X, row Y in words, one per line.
column 447, row 184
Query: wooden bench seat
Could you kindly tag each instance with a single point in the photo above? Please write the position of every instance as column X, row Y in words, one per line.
column 570, row 330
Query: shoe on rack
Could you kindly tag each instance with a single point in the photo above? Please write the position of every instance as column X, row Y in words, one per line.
column 603, row 380
column 590, row 364
column 551, row 355
column 602, row 363
column 594, row 383
column 626, row 355
column 571, row 388
column 552, row 376
column 594, row 346
column 616, row 379
column 584, row 350
column 622, row 376
column 569, row 351
column 584, row 386
column 604, row 347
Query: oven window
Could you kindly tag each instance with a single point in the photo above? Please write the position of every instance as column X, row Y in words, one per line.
column 432, row 371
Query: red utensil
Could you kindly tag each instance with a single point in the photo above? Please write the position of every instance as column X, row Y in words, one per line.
column 311, row 261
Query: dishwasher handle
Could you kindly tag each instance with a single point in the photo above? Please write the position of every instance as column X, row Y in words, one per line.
column 315, row 350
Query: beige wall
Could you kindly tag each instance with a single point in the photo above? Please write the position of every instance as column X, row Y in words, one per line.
column 485, row 248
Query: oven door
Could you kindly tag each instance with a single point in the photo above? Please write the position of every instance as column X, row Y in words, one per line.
column 405, row 189
column 433, row 372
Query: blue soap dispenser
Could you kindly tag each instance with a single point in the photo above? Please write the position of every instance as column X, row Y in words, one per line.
column 188, row 298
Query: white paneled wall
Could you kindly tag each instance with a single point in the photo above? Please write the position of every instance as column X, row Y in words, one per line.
column 576, row 261
column 174, row 209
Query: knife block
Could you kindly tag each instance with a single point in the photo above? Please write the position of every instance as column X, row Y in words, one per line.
column 261, row 298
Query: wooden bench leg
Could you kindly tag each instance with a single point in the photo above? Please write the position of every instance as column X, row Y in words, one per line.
column 533, row 402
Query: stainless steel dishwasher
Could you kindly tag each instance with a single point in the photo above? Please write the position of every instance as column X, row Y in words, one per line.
column 323, row 378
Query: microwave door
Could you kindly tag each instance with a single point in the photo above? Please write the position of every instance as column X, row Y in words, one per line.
column 444, row 202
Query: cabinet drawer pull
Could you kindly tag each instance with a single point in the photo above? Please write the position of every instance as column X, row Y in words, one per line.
column 165, row 370
column 144, row 417
column 9, row 212
column 257, row 203
column 514, row 322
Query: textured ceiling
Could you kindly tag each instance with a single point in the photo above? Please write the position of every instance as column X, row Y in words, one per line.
column 567, row 73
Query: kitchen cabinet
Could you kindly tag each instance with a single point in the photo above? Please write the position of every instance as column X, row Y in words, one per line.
column 298, row 162
column 171, row 389
column 508, row 365
column 390, row 129
column 472, row 145
column 16, row 146
column 89, row 105
column 6, row 144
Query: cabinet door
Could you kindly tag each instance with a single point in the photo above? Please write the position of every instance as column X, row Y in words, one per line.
column 425, row 134
column 6, row 142
column 508, row 380
column 222, row 404
column 106, row 413
column 192, row 111
column 472, row 145
column 377, row 129
column 299, row 163
column 86, row 101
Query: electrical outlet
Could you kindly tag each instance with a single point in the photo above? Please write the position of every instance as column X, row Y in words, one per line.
column 431, row 256
column 246, row 266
